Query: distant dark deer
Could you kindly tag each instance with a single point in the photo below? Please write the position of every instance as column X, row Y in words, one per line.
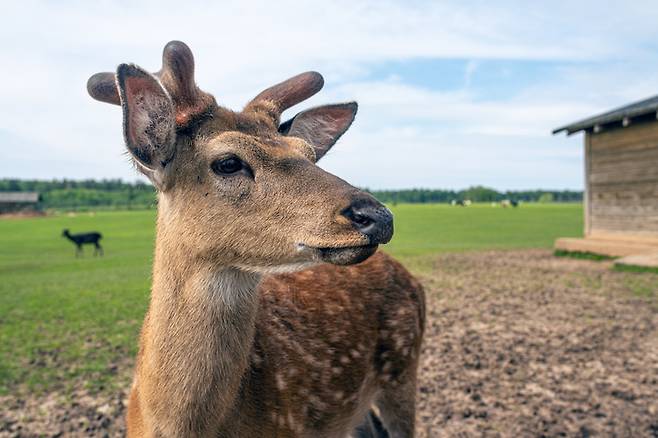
column 83, row 238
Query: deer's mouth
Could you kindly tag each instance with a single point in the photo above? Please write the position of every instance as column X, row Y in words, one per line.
column 347, row 255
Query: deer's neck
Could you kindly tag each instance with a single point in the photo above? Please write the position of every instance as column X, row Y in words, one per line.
column 198, row 333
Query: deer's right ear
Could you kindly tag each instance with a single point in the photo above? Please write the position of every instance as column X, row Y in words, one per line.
column 321, row 126
column 149, row 122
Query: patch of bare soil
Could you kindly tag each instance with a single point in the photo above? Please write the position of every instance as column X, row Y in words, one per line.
column 78, row 414
column 517, row 344
column 526, row 344
column 23, row 214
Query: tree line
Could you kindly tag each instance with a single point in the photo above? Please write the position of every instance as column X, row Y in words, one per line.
column 86, row 194
column 119, row 194
column 475, row 194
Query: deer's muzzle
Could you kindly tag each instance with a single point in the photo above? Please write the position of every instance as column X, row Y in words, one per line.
column 371, row 219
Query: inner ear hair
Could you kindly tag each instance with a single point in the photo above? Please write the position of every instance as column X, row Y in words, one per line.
column 148, row 116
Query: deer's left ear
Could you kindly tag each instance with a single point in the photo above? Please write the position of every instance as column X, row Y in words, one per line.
column 149, row 124
column 322, row 126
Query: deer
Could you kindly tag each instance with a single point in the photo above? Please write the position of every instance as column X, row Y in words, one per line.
column 84, row 238
column 271, row 313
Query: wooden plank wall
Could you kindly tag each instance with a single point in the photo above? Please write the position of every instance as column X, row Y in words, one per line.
column 622, row 180
column 587, row 202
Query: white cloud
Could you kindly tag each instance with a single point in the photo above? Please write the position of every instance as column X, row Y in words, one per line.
column 407, row 135
column 469, row 71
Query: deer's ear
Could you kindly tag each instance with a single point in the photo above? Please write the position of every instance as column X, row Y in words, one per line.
column 322, row 126
column 149, row 123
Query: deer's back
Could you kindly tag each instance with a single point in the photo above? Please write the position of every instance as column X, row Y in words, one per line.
column 326, row 340
column 86, row 237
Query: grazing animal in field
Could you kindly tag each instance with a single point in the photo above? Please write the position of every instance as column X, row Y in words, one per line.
column 83, row 239
column 271, row 313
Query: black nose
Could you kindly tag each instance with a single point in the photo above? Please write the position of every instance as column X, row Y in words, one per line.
column 372, row 219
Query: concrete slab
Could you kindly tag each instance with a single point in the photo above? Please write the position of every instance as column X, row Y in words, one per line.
column 609, row 247
column 642, row 260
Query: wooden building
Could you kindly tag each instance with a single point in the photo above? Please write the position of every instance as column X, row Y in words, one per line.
column 621, row 181
column 19, row 202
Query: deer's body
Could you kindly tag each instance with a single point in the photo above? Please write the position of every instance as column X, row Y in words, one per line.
column 247, row 333
column 308, row 354
column 80, row 239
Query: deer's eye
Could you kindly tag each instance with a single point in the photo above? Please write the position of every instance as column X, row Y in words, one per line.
column 229, row 166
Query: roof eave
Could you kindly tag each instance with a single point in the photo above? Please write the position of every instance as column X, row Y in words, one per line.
column 623, row 114
column 568, row 130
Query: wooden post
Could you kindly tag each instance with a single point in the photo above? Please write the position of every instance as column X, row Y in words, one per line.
column 587, row 201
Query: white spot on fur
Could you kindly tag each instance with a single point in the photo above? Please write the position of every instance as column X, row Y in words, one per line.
column 317, row 403
column 256, row 359
column 280, row 383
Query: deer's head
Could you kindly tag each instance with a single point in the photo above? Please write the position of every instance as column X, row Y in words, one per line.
column 242, row 188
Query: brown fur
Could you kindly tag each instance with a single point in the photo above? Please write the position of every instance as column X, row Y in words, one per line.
column 229, row 348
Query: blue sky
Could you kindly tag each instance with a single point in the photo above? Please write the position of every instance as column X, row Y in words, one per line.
column 451, row 93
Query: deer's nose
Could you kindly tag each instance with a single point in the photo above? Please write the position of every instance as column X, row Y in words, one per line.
column 372, row 219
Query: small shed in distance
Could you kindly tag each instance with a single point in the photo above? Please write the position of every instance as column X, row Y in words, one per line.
column 621, row 181
column 19, row 202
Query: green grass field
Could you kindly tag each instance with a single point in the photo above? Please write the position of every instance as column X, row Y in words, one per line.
column 65, row 320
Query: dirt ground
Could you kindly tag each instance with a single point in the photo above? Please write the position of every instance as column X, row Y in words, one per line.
column 517, row 344
column 22, row 214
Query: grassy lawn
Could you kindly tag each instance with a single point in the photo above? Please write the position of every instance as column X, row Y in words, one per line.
column 64, row 320
column 422, row 229
column 426, row 229
column 62, row 317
